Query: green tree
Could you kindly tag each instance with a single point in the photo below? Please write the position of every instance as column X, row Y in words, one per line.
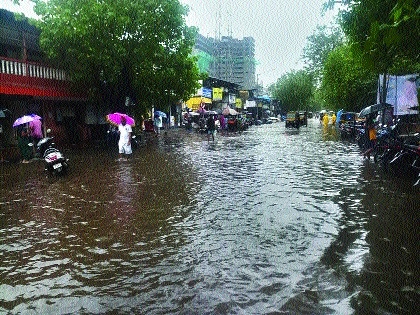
column 318, row 46
column 385, row 33
column 396, row 23
column 346, row 83
column 119, row 48
column 294, row 90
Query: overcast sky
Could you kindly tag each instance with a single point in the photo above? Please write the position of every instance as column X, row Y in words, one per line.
column 279, row 27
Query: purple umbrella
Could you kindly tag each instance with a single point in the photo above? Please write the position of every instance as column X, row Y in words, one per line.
column 26, row 119
column 115, row 119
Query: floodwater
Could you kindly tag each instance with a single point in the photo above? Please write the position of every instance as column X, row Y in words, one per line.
column 270, row 221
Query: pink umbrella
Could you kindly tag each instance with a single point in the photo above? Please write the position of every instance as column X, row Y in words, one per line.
column 25, row 119
column 115, row 119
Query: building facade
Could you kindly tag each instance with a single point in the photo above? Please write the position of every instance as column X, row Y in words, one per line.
column 29, row 85
column 228, row 59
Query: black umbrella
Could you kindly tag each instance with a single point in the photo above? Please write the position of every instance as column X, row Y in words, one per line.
column 373, row 109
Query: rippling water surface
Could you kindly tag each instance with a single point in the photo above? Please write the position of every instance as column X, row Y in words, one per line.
column 267, row 221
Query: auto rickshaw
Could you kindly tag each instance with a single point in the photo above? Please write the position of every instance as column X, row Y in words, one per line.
column 291, row 121
column 295, row 119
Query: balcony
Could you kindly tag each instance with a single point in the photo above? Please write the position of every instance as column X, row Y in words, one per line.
column 18, row 77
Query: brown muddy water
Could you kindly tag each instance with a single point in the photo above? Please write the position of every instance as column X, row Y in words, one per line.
column 270, row 221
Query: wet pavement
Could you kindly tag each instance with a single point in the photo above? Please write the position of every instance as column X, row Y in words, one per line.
column 270, row 221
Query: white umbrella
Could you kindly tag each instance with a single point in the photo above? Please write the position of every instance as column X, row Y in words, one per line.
column 229, row 111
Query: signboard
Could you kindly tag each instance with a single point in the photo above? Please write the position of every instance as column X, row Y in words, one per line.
column 217, row 94
column 250, row 104
column 401, row 93
column 206, row 92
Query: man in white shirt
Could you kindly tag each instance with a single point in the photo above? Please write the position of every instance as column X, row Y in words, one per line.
column 158, row 124
column 124, row 144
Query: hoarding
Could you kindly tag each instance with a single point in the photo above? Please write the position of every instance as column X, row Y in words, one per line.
column 401, row 93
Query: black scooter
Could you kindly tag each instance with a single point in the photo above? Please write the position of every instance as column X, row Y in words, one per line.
column 55, row 162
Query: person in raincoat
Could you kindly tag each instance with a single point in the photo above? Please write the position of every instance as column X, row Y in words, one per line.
column 326, row 119
column 333, row 119
column 25, row 146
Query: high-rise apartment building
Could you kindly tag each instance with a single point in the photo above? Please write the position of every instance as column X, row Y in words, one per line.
column 228, row 59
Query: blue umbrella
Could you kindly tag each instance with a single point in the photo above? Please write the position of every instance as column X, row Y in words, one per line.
column 159, row 113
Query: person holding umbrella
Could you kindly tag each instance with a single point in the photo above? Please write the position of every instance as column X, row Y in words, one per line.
column 157, row 123
column 25, row 140
column 124, row 124
column 124, row 144
column 35, row 130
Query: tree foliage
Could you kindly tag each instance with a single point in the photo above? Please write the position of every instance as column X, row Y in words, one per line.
column 346, row 83
column 119, row 48
column 386, row 33
column 294, row 90
column 319, row 45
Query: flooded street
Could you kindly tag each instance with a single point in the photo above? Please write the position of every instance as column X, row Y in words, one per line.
column 270, row 221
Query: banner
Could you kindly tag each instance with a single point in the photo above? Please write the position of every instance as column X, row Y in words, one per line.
column 401, row 93
column 217, row 94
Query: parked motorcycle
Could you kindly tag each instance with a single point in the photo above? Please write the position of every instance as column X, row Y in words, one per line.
column 387, row 145
column 347, row 130
column 55, row 162
column 408, row 160
column 135, row 141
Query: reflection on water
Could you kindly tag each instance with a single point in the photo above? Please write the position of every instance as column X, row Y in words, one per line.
column 392, row 230
column 270, row 220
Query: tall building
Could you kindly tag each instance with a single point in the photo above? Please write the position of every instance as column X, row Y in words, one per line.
column 228, row 59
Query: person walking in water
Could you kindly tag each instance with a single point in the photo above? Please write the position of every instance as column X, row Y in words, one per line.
column 371, row 135
column 124, row 144
column 157, row 124
column 326, row 119
column 333, row 119
column 211, row 128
